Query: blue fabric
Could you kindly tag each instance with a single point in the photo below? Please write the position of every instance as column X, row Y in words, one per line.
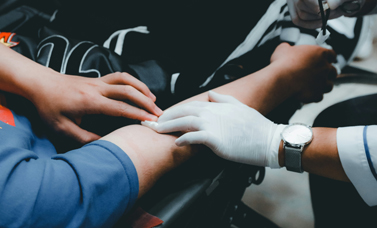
column 367, row 153
column 88, row 187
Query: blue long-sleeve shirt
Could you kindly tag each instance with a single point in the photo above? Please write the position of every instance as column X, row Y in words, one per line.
column 88, row 187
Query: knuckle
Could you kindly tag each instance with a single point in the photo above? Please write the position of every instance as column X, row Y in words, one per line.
column 194, row 103
column 116, row 74
column 84, row 138
column 124, row 76
column 59, row 127
column 149, row 104
column 192, row 123
column 205, row 114
column 128, row 89
column 124, row 110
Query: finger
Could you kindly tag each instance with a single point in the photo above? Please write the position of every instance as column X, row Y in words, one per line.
column 67, row 127
column 310, row 5
column 333, row 73
column 219, row 98
column 306, row 12
column 330, row 55
column 306, row 16
column 334, row 4
column 336, row 13
column 189, row 109
column 310, row 24
column 197, row 137
column 122, row 92
column 127, row 79
column 329, row 86
column 184, row 124
column 119, row 108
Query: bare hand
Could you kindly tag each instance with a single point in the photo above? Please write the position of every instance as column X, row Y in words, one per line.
column 64, row 99
column 310, row 68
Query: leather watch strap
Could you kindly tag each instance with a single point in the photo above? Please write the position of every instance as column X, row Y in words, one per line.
column 293, row 158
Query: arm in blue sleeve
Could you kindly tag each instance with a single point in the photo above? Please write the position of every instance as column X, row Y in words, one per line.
column 88, row 187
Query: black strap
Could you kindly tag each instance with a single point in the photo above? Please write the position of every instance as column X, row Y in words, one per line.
column 325, row 17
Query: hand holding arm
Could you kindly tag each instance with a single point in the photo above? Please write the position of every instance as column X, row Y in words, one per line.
column 229, row 128
column 239, row 133
column 262, row 90
column 62, row 100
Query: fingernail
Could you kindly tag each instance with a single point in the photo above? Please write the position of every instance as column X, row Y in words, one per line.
column 152, row 117
column 158, row 111
column 152, row 96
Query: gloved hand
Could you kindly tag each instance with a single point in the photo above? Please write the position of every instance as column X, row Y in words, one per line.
column 229, row 128
column 305, row 13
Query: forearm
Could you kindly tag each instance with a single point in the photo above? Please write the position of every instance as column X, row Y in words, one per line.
column 262, row 90
column 321, row 155
column 20, row 75
column 155, row 154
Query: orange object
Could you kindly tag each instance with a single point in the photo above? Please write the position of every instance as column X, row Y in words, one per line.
column 142, row 219
column 6, row 39
column 6, row 116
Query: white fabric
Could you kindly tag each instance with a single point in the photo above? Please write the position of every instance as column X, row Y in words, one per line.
column 121, row 34
column 354, row 160
column 322, row 38
column 229, row 128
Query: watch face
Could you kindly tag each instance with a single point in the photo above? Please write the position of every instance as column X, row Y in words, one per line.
column 297, row 134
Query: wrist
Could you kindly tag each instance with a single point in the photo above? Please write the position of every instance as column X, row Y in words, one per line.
column 40, row 85
column 287, row 77
column 281, row 154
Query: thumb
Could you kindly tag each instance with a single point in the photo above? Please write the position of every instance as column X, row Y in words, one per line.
column 219, row 98
column 70, row 129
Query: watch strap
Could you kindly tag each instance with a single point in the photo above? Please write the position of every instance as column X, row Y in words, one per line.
column 293, row 158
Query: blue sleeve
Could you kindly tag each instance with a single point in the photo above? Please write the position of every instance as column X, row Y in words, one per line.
column 88, row 187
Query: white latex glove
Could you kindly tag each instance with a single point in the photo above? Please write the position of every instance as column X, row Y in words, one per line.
column 305, row 13
column 229, row 128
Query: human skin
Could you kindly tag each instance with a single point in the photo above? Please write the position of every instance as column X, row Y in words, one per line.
column 62, row 100
column 303, row 72
column 321, row 156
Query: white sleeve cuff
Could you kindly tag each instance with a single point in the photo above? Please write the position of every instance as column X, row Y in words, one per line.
column 274, row 148
column 354, row 158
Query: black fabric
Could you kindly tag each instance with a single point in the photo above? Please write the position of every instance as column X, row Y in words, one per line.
column 185, row 34
column 191, row 37
column 337, row 203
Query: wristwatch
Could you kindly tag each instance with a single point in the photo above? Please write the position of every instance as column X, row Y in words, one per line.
column 295, row 137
